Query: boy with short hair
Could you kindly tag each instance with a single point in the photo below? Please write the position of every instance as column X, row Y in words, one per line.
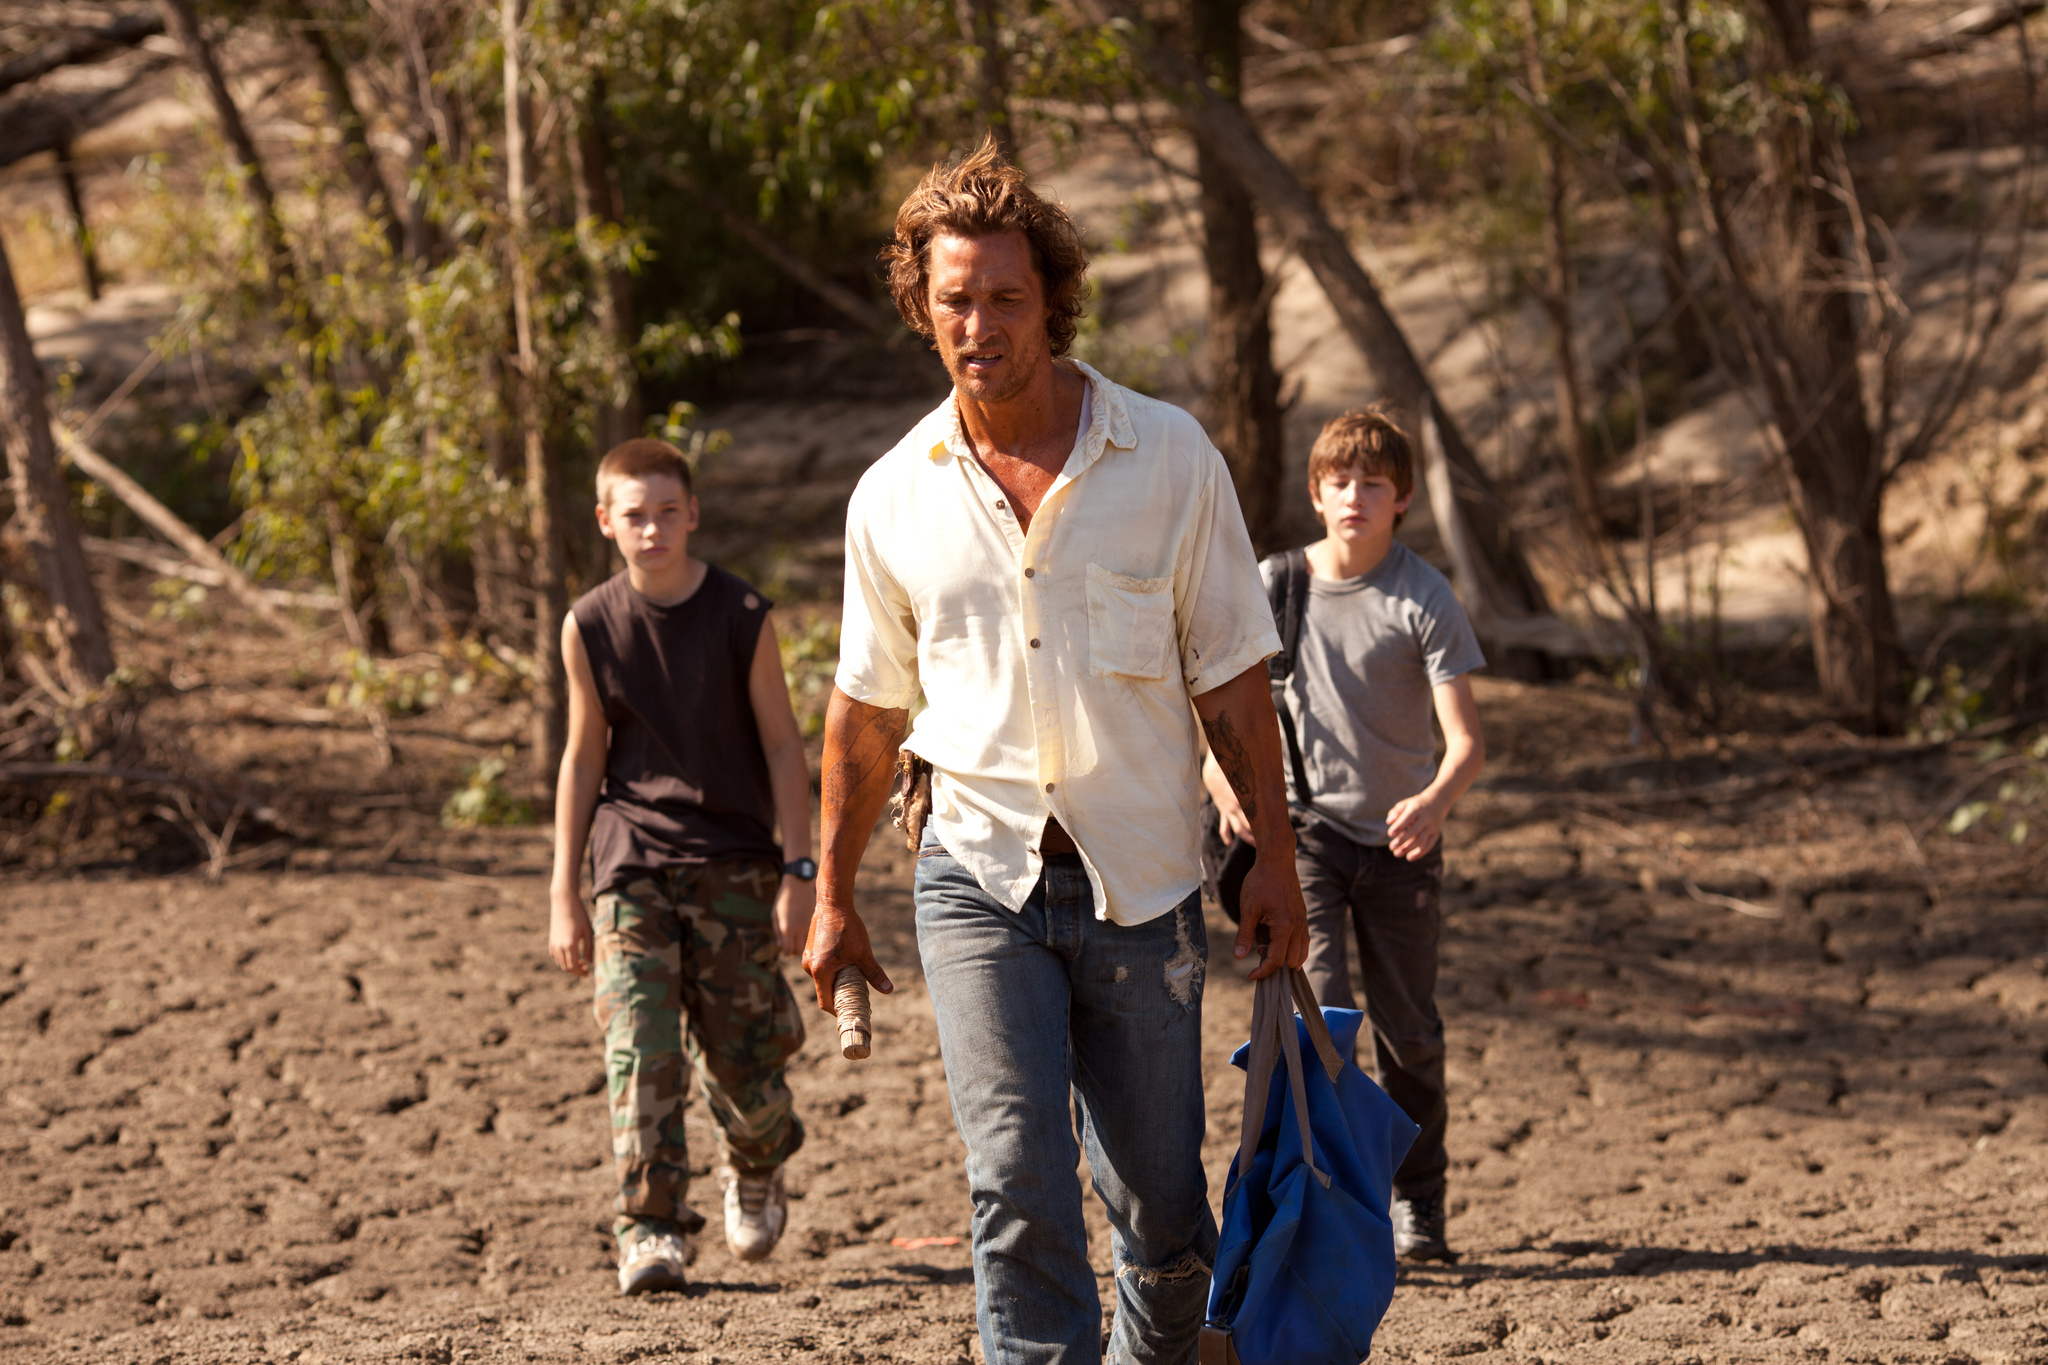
column 1381, row 641
column 683, row 756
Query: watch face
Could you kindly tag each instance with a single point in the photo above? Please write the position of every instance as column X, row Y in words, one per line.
column 803, row 869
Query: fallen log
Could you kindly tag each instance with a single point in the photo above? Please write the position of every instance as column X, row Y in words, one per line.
column 170, row 526
column 107, row 772
column 843, row 300
column 147, row 556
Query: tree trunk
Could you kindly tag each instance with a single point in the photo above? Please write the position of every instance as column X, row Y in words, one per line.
column 543, row 471
column 1848, row 592
column 601, row 205
column 42, row 505
column 431, row 121
column 1688, row 323
column 1504, row 587
column 422, row 237
column 980, row 25
column 1837, row 491
column 1245, row 403
column 81, row 231
column 184, row 27
column 357, row 158
column 1558, row 300
column 501, row 600
column 1799, row 326
column 1561, row 291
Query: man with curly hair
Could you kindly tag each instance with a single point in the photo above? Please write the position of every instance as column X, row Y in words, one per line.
column 1058, row 566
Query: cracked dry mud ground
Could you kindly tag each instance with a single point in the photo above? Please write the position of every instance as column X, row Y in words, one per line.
column 356, row 1117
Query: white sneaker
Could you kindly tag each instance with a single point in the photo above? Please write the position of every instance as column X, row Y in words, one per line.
column 655, row 1265
column 756, row 1211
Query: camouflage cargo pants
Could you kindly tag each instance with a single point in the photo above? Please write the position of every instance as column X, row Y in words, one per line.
column 698, row 942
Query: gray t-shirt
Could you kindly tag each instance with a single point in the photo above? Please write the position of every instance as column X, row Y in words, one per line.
column 1371, row 650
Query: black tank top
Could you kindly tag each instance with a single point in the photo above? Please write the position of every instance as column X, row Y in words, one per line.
column 685, row 780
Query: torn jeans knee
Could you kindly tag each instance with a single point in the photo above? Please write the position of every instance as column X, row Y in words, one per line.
column 1186, row 1266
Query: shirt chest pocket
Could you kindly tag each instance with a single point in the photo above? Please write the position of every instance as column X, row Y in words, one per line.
column 1130, row 625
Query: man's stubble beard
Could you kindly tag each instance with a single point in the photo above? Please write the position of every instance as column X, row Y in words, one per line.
column 971, row 385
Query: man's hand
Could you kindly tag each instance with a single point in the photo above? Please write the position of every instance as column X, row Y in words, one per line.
column 1271, row 897
column 860, row 763
column 569, row 939
column 839, row 939
column 793, row 906
column 1416, row 826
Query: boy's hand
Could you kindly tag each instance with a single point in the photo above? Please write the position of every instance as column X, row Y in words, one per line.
column 839, row 939
column 793, row 906
column 569, row 938
column 1231, row 821
column 1416, row 826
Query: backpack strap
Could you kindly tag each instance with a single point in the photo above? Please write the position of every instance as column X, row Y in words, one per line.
column 1288, row 595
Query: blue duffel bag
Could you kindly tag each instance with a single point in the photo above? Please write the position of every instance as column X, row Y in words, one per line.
column 1305, row 1268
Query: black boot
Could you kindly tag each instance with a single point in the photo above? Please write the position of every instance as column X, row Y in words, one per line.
column 1419, row 1230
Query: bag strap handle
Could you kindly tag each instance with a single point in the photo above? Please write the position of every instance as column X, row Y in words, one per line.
column 1274, row 1039
column 1318, row 1027
column 1258, row 1076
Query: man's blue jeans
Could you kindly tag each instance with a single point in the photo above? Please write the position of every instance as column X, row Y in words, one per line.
column 1034, row 1005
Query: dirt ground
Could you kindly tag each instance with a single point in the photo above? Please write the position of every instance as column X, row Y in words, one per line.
column 1732, row 1081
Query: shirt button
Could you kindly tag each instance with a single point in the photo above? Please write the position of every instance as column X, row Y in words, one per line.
column 1031, row 573
column 1034, row 644
column 1048, row 786
column 1002, row 506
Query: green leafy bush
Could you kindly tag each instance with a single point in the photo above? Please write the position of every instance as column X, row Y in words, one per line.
column 482, row 800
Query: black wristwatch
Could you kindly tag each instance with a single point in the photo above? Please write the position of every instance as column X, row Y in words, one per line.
column 803, row 869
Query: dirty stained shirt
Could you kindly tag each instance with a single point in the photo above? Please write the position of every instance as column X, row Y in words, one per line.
column 1056, row 664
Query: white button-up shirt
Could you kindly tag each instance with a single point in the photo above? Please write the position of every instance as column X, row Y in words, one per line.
column 1056, row 663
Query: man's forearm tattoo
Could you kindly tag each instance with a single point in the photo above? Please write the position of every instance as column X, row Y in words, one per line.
column 1235, row 760
column 871, row 748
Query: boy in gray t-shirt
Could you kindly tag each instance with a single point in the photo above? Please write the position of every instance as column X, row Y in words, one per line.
column 1383, row 644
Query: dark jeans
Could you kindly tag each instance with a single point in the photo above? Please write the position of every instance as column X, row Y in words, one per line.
column 1395, row 907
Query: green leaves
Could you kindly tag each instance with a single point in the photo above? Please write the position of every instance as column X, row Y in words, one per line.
column 2020, row 797
column 484, row 801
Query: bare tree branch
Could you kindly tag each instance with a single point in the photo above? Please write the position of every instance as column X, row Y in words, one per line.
column 36, row 121
column 80, row 47
column 1978, row 21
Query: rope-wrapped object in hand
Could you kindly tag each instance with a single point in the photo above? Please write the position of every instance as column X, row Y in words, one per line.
column 850, row 1003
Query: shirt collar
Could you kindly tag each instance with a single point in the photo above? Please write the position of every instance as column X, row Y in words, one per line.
column 1109, row 425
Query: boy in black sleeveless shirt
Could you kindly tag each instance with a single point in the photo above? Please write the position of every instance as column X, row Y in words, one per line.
column 683, row 757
